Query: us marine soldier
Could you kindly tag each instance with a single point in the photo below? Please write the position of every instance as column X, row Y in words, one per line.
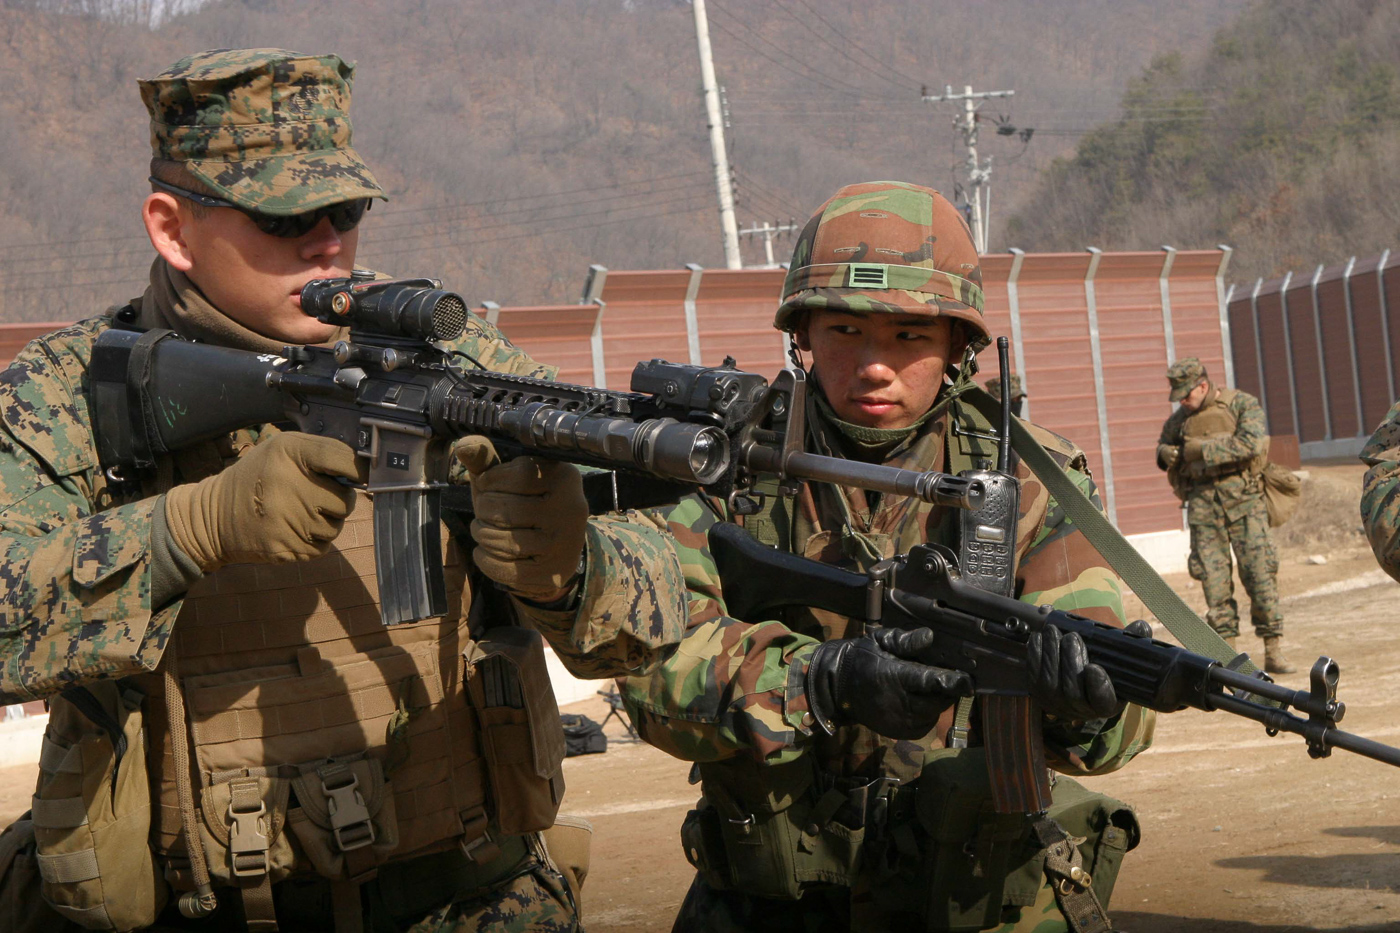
column 1018, row 394
column 1214, row 448
column 842, row 786
column 1380, row 492
column 209, row 635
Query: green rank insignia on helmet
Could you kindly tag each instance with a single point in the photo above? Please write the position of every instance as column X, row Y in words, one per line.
column 886, row 247
column 266, row 129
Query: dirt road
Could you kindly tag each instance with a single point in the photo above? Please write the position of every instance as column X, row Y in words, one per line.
column 1242, row 833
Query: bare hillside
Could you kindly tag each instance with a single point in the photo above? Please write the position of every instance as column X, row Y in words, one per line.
column 521, row 141
column 1280, row 136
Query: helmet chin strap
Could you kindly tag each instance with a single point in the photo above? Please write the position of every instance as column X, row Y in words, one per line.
column 795, row 353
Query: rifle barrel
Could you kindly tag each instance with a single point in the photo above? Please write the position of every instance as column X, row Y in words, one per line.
column 938, row 488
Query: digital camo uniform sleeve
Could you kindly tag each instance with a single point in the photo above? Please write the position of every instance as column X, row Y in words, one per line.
column 1380, row 492
column 729, row 687
column 1061, row 568
column 1251, row 437
column 632, row 602
column 75, row 582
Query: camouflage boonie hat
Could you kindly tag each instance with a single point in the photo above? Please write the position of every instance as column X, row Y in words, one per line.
column 886, row 246
column 266, row 129
column 1185, row 375
column 993, row 386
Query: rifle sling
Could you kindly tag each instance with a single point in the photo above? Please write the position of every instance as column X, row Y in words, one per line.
column 1159, row 598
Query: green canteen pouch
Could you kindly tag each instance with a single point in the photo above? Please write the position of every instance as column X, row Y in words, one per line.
column 974, row 868
column 92, row 811
column 767, row 830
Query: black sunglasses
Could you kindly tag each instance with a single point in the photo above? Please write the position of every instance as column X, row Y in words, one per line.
column 344, row 216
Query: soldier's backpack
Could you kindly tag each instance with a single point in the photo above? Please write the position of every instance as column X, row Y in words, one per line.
column 582, row 736
column 1282, row 493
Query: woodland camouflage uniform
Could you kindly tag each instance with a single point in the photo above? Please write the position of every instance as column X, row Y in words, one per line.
column 732, row 698
column 1380, row 493
column 1214, row 458
column 85, row 595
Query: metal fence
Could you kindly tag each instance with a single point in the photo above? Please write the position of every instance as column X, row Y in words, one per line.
column 1319, row 350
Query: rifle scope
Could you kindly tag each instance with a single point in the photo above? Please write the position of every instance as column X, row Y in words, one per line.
column 418, row 309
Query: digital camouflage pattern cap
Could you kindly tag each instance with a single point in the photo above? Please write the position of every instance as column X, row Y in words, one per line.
column 993, row 387
column 266, row 129
column 1184, row 375
column 886, row 246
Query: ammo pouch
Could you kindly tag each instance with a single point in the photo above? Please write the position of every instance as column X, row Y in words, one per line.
column 92, row 811
column 770, row 829
column 965, row 867
column 343, row 822
column 509, row 688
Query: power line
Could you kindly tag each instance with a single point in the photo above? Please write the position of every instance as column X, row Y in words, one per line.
column 913, row 82
column 840, row 51
column 821, row 77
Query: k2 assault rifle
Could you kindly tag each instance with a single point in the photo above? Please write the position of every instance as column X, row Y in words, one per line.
column 984, row 634
column 399, row 395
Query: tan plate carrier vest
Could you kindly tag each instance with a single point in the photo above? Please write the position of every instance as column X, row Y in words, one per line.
column 1215, row 419
column 322, row 741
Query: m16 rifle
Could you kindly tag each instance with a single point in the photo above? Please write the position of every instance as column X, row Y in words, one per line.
column 399, row 395
column 985, row 633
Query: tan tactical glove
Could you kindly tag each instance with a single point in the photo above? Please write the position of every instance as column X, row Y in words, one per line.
column 530, row 520
column 279, row 503
column 1193, row 449
column 1168, row 455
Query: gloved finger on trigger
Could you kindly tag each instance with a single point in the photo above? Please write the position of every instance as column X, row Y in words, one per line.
column 329, row 496
column 903, row 643
column 324, row 455
column 476, row 453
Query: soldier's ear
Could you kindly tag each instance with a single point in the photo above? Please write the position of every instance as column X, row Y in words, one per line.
column 166, row 220
column 802, row 333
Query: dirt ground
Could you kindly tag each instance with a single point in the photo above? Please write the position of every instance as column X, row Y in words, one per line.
column 1242, row 833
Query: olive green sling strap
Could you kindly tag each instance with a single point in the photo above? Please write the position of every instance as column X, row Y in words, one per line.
column 1159, row 598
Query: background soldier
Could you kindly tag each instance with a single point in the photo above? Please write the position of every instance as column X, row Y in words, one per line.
column 1380, row 492
column 1018, row 394
column 812, row 738
column 333, row 772
column 1214, row 448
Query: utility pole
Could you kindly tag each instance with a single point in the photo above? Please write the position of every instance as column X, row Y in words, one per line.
column 768, row 231
column 729, row 230
column 979, row 190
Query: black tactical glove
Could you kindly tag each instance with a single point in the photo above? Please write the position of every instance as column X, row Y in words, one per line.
column 868, row 681
column 1065, row 683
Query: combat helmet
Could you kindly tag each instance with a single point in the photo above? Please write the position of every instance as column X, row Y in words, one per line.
column 886, row 247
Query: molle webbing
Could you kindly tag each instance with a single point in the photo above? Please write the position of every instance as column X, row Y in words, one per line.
column 287, row 664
